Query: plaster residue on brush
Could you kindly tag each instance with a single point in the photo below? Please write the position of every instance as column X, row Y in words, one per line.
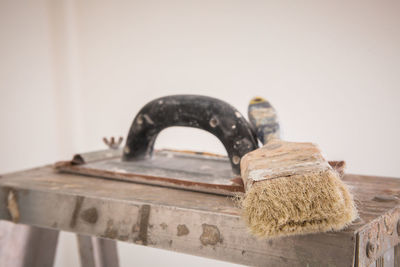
column 280, row 159
column 284, row 198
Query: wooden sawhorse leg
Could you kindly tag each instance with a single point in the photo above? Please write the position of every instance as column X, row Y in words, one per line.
column 27, row 246
column 97, row 252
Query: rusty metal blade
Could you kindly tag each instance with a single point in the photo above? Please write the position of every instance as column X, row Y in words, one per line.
column 196, row 171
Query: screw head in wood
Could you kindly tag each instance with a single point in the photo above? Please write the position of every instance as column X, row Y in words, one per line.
column 371, row 249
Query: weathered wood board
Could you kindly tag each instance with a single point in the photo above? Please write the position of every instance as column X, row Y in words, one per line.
column 198, row 223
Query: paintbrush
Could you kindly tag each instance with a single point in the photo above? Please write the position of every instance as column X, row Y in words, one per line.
column 290, row 187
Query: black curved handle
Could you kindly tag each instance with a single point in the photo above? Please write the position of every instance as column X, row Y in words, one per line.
column 207, row 113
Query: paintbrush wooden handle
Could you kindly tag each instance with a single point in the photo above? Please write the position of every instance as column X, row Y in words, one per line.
column 263, row 119
column 278, row 158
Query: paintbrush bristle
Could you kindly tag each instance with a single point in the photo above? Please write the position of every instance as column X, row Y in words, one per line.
column 291, row 189
column 298, row 204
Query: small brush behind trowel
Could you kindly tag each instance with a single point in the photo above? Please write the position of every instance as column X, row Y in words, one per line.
column 290, row 188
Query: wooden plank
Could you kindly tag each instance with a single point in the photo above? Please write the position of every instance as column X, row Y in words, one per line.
column 184, row 221
column 115, row 210
column 26, row 246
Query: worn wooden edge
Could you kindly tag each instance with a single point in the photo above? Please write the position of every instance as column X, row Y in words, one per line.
column 377, row 237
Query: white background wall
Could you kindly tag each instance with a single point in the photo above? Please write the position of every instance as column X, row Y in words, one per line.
column 74, row 71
